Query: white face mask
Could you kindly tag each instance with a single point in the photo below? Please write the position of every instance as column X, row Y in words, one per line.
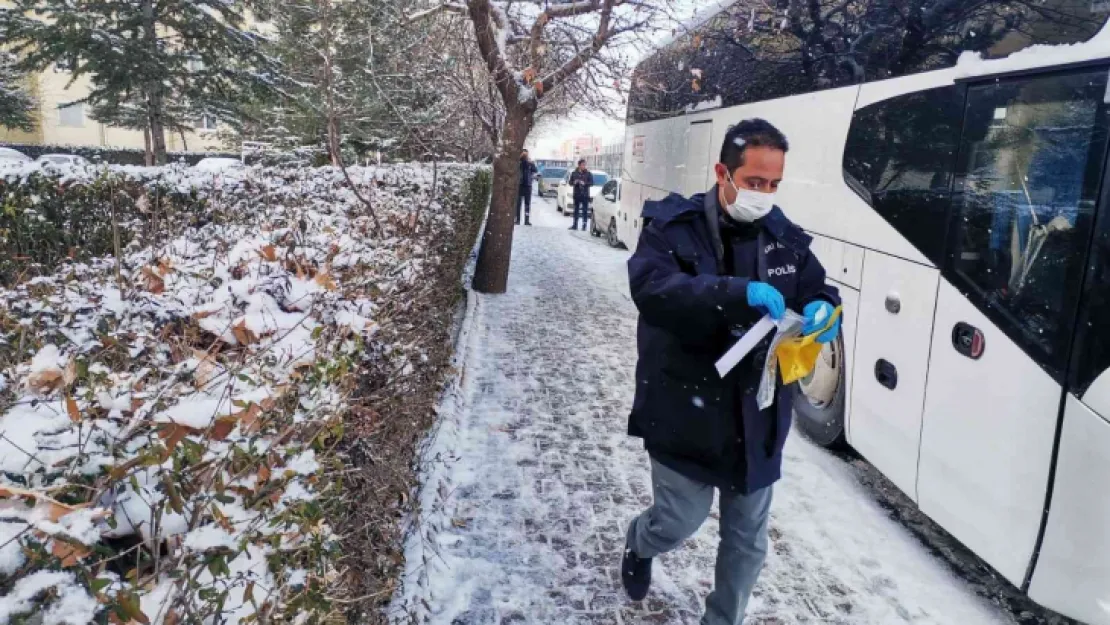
column 749, row 205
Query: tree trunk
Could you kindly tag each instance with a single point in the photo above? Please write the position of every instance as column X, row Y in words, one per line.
column 333, row 140
column 184, row 141
column 148, row 158
column 154, row 89
column 492, row 272
column 157, row 128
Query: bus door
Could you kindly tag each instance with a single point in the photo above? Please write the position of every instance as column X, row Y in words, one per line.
column 1072, row 566
column 699, row 148
column 1023, row 204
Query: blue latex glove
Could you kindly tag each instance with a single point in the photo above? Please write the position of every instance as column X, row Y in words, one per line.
column 817, row 314
column 767, row 297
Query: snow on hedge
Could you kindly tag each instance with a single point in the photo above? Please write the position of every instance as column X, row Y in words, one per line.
column 164, row 421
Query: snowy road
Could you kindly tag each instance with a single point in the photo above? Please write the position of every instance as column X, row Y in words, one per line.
column 534, row 481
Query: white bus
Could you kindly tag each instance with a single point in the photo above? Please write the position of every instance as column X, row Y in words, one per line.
column 959, row 205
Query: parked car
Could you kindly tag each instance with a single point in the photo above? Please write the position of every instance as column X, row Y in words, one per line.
column 63, row 159
column 10, row 157
column 604, row 212
column 217, row 165
column 550, row 177
column 564, row 197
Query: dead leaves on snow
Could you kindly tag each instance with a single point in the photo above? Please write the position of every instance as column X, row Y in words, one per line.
column 50, row 379
column 155, row 276
column 67, row 550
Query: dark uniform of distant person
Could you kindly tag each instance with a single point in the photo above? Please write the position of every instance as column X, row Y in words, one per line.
column 581, row 180
column 707, row 268
column 528, row 173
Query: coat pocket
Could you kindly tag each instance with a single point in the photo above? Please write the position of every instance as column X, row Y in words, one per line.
column 688, row 419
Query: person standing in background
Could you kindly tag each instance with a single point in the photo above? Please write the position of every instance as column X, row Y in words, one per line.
column 528, row 173
column 581, row 180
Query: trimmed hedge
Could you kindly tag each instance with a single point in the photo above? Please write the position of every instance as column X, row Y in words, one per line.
column 46, row 219
column 112, row 156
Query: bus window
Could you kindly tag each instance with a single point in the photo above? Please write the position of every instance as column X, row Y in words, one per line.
column 751, row 52
column 1031, row 162
column 899, row 157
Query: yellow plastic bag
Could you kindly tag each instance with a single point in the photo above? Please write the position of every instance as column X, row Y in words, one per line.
column 798, row 356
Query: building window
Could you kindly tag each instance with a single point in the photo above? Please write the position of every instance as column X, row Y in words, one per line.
column 207, row 122
column 72, row 116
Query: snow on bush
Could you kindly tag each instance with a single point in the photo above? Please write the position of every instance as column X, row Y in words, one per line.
column 167, row 418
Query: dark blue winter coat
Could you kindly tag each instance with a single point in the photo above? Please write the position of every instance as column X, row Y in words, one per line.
column 691, row 312
column 528, row 173
column 580, row 182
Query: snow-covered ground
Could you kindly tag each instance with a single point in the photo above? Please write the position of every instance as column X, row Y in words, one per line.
column 531, row 481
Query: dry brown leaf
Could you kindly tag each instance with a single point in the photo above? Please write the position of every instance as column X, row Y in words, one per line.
column 46, row 381
column 221, row 519
column 56, row 509
column 250, row 419
column 174, row 433
column 72, row 410
column 206, row 369
column 136, row 403
column 221, row 428
column 154, row 282
column 264, row 474
column 69, row 376
column 325, row 281
column 243, row 334
column 68, row 553
column 268, row 253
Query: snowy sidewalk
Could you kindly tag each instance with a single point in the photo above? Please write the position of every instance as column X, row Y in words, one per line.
column 536, row 481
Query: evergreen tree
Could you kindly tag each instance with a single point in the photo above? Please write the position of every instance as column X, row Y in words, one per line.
column 157, row 53
column 357, row 75
column 16, row 105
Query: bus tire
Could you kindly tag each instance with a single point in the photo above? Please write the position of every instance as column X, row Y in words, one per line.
column 821, row 417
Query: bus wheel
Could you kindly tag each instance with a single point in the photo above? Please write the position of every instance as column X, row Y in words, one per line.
column 819, row 404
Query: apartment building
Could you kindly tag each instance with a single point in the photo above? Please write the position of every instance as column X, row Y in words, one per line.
column 61, row 122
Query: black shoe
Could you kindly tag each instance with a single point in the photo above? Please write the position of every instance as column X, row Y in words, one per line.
column 528, row 223
column 635, row 574
column 518, row 222
column 574, row 227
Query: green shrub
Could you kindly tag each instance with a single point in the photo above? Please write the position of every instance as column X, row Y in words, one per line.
column 49, row 217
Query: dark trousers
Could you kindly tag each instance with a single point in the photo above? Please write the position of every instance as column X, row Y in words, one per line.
column 525, row 200
column 581, row 207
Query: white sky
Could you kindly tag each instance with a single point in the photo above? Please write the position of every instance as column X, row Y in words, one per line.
column 546, row 139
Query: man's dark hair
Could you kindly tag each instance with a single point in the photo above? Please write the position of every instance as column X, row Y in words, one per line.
column 748, row 134
column 582, row 161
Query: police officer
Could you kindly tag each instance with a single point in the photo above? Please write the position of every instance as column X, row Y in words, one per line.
column 706, row 268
